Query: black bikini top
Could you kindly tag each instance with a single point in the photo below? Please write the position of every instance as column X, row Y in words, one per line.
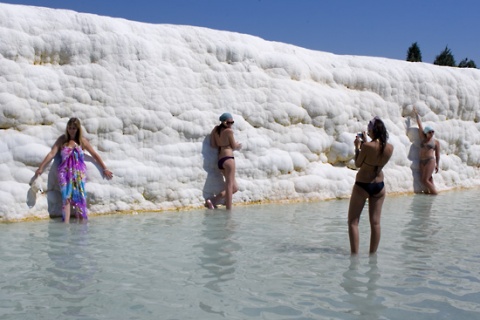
column 377, row 168
column 429, row 145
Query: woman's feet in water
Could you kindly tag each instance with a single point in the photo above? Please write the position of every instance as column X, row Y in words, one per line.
column 209, row 204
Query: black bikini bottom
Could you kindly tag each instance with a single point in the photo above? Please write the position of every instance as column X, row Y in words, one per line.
column 221, row 161
column 372, row 188
column 425, row 161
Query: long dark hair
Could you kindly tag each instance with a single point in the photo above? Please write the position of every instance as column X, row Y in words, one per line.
column 379, row 132
column 78, row 137
column 220, row 127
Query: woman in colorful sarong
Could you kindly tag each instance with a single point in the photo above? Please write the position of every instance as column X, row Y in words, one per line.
column 72, row 169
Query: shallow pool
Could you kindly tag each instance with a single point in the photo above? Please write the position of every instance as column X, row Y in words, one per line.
column 258, row 262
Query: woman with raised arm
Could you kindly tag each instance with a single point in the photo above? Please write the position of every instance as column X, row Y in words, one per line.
column 429, row 155
column 222, row 138
column 72, row 169
column 370, row 157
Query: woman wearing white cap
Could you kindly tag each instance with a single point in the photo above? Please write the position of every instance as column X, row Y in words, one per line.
column 429, row 155
column 222, row 138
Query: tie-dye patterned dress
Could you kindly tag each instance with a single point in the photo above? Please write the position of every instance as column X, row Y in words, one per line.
column 71, row 175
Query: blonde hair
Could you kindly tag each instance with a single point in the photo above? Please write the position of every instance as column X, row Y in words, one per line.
column 79, row 136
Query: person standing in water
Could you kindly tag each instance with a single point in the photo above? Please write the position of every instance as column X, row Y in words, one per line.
column 370, row 157
column 72, row 169
column 223, row 139
column 429, row 155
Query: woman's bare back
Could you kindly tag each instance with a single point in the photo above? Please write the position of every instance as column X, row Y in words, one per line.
column 371, row 162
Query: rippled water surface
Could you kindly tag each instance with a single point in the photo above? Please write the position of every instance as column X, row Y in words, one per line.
column 258, row 262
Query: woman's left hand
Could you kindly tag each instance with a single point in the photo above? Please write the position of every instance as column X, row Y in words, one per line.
column 108, row 174
column 358, row 141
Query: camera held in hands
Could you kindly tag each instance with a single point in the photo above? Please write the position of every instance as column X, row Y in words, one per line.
column 360, row 135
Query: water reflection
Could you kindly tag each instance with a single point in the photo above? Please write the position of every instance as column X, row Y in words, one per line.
column 414, row 155
column 362, row 289
column 218, row 250
column 419, row 232
column 262, row 262
column 73, row 266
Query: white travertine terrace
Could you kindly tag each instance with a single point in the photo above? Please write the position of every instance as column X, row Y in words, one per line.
column 149, row 95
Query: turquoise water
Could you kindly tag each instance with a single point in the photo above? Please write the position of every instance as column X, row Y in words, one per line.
column 259, row 262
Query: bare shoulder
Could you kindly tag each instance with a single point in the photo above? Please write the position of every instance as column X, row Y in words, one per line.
column 85, row 143
column 228, row 131
column 371, row 145
column 388, row 149
column 61, row 140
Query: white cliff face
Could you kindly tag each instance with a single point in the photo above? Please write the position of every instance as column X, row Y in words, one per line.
column 149, row 95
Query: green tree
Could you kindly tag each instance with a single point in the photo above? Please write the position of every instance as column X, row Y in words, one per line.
column 445, row 58
column 414, row 54
column 465, row 63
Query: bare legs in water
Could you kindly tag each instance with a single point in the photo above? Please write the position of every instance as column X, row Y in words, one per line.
column 426, row 175
column 230, row 186
column 357, row 202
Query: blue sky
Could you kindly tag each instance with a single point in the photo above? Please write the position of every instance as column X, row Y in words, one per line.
column 382, row 28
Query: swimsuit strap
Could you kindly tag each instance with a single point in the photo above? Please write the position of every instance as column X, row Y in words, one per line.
column 224, row 147
column 377, row 168
column 371, row 165
column 429, row 145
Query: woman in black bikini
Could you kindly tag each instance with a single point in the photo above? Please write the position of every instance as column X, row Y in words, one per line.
column 370, row 157
column 222, row 138
column 429, row 155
